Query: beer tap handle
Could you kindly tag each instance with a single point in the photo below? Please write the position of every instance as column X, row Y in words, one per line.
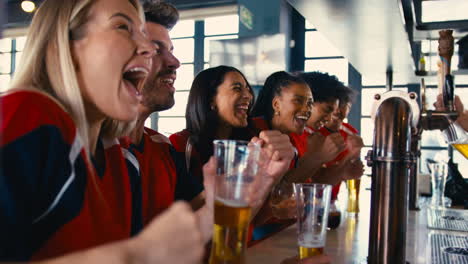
column 448, row 93
column 423, row 95
column 446, row 46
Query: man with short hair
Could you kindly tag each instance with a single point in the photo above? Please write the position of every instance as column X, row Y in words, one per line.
column 164, row 177
column 159, row 89
column 163, row 171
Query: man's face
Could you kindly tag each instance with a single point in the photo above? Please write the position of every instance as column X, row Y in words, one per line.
column 158, row 93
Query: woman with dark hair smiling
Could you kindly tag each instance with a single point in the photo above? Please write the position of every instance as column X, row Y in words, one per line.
column 218, row 108
column 286, row 104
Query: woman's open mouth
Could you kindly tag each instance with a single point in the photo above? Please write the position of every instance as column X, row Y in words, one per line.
column 301, row 120
column 134, row 78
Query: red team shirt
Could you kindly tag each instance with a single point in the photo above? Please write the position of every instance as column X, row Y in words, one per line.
column 345, row 130
column 53, row 200
column 163, row 173
column 179, row 141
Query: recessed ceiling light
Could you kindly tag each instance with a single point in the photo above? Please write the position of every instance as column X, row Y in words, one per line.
column 28, row 6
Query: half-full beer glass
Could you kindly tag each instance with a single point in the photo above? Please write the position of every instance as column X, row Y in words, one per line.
column 313, row 202
column 237, row 163
column 457, row 137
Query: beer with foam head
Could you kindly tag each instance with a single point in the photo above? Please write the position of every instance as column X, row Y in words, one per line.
column 230, row 232
column 305, row 252
column 236, row 171
column 310, row 244
column 313, row 202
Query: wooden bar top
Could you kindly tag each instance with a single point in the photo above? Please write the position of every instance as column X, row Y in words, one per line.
column 349, row 242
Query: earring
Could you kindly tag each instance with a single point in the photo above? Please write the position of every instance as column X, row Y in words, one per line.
column 277, row 113
column 213, row 108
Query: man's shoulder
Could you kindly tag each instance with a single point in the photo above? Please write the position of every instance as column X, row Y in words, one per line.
column 156, row 137
column 179, row 140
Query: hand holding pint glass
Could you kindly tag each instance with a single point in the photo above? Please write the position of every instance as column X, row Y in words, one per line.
column 313, row 203
column 283, row 201
column 456, row 133
column 236, row 169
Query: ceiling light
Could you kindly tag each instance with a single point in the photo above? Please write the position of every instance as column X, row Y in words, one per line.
column 28, row 6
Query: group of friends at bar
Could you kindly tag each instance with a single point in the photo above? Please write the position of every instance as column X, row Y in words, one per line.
column 83, row 180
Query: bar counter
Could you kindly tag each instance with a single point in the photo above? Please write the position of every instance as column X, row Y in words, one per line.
column 348, row 244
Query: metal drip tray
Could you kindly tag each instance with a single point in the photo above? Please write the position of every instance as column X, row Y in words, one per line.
column 449, row 249
column 456, row 220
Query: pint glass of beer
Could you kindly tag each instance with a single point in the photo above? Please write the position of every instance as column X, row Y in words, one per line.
column 353, row 196
column 313, row 203
column 237, row 163
column 458, row 138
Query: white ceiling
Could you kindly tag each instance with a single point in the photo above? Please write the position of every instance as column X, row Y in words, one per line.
column 370, row 34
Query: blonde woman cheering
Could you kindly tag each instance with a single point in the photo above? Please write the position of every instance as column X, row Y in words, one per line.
column 68, row 192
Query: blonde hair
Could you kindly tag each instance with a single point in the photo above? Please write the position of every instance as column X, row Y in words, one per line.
column 47, row 64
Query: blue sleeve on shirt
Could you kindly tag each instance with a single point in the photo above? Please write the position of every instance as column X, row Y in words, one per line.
column 35, row 169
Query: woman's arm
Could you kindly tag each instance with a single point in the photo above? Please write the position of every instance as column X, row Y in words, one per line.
column 162, row 241
column 320, row 150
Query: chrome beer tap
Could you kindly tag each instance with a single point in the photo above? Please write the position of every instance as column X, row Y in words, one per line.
column 399, row 123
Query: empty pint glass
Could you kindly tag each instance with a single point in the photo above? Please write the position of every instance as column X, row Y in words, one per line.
column 438, row 179
column 313, row 202
column 236, row 168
